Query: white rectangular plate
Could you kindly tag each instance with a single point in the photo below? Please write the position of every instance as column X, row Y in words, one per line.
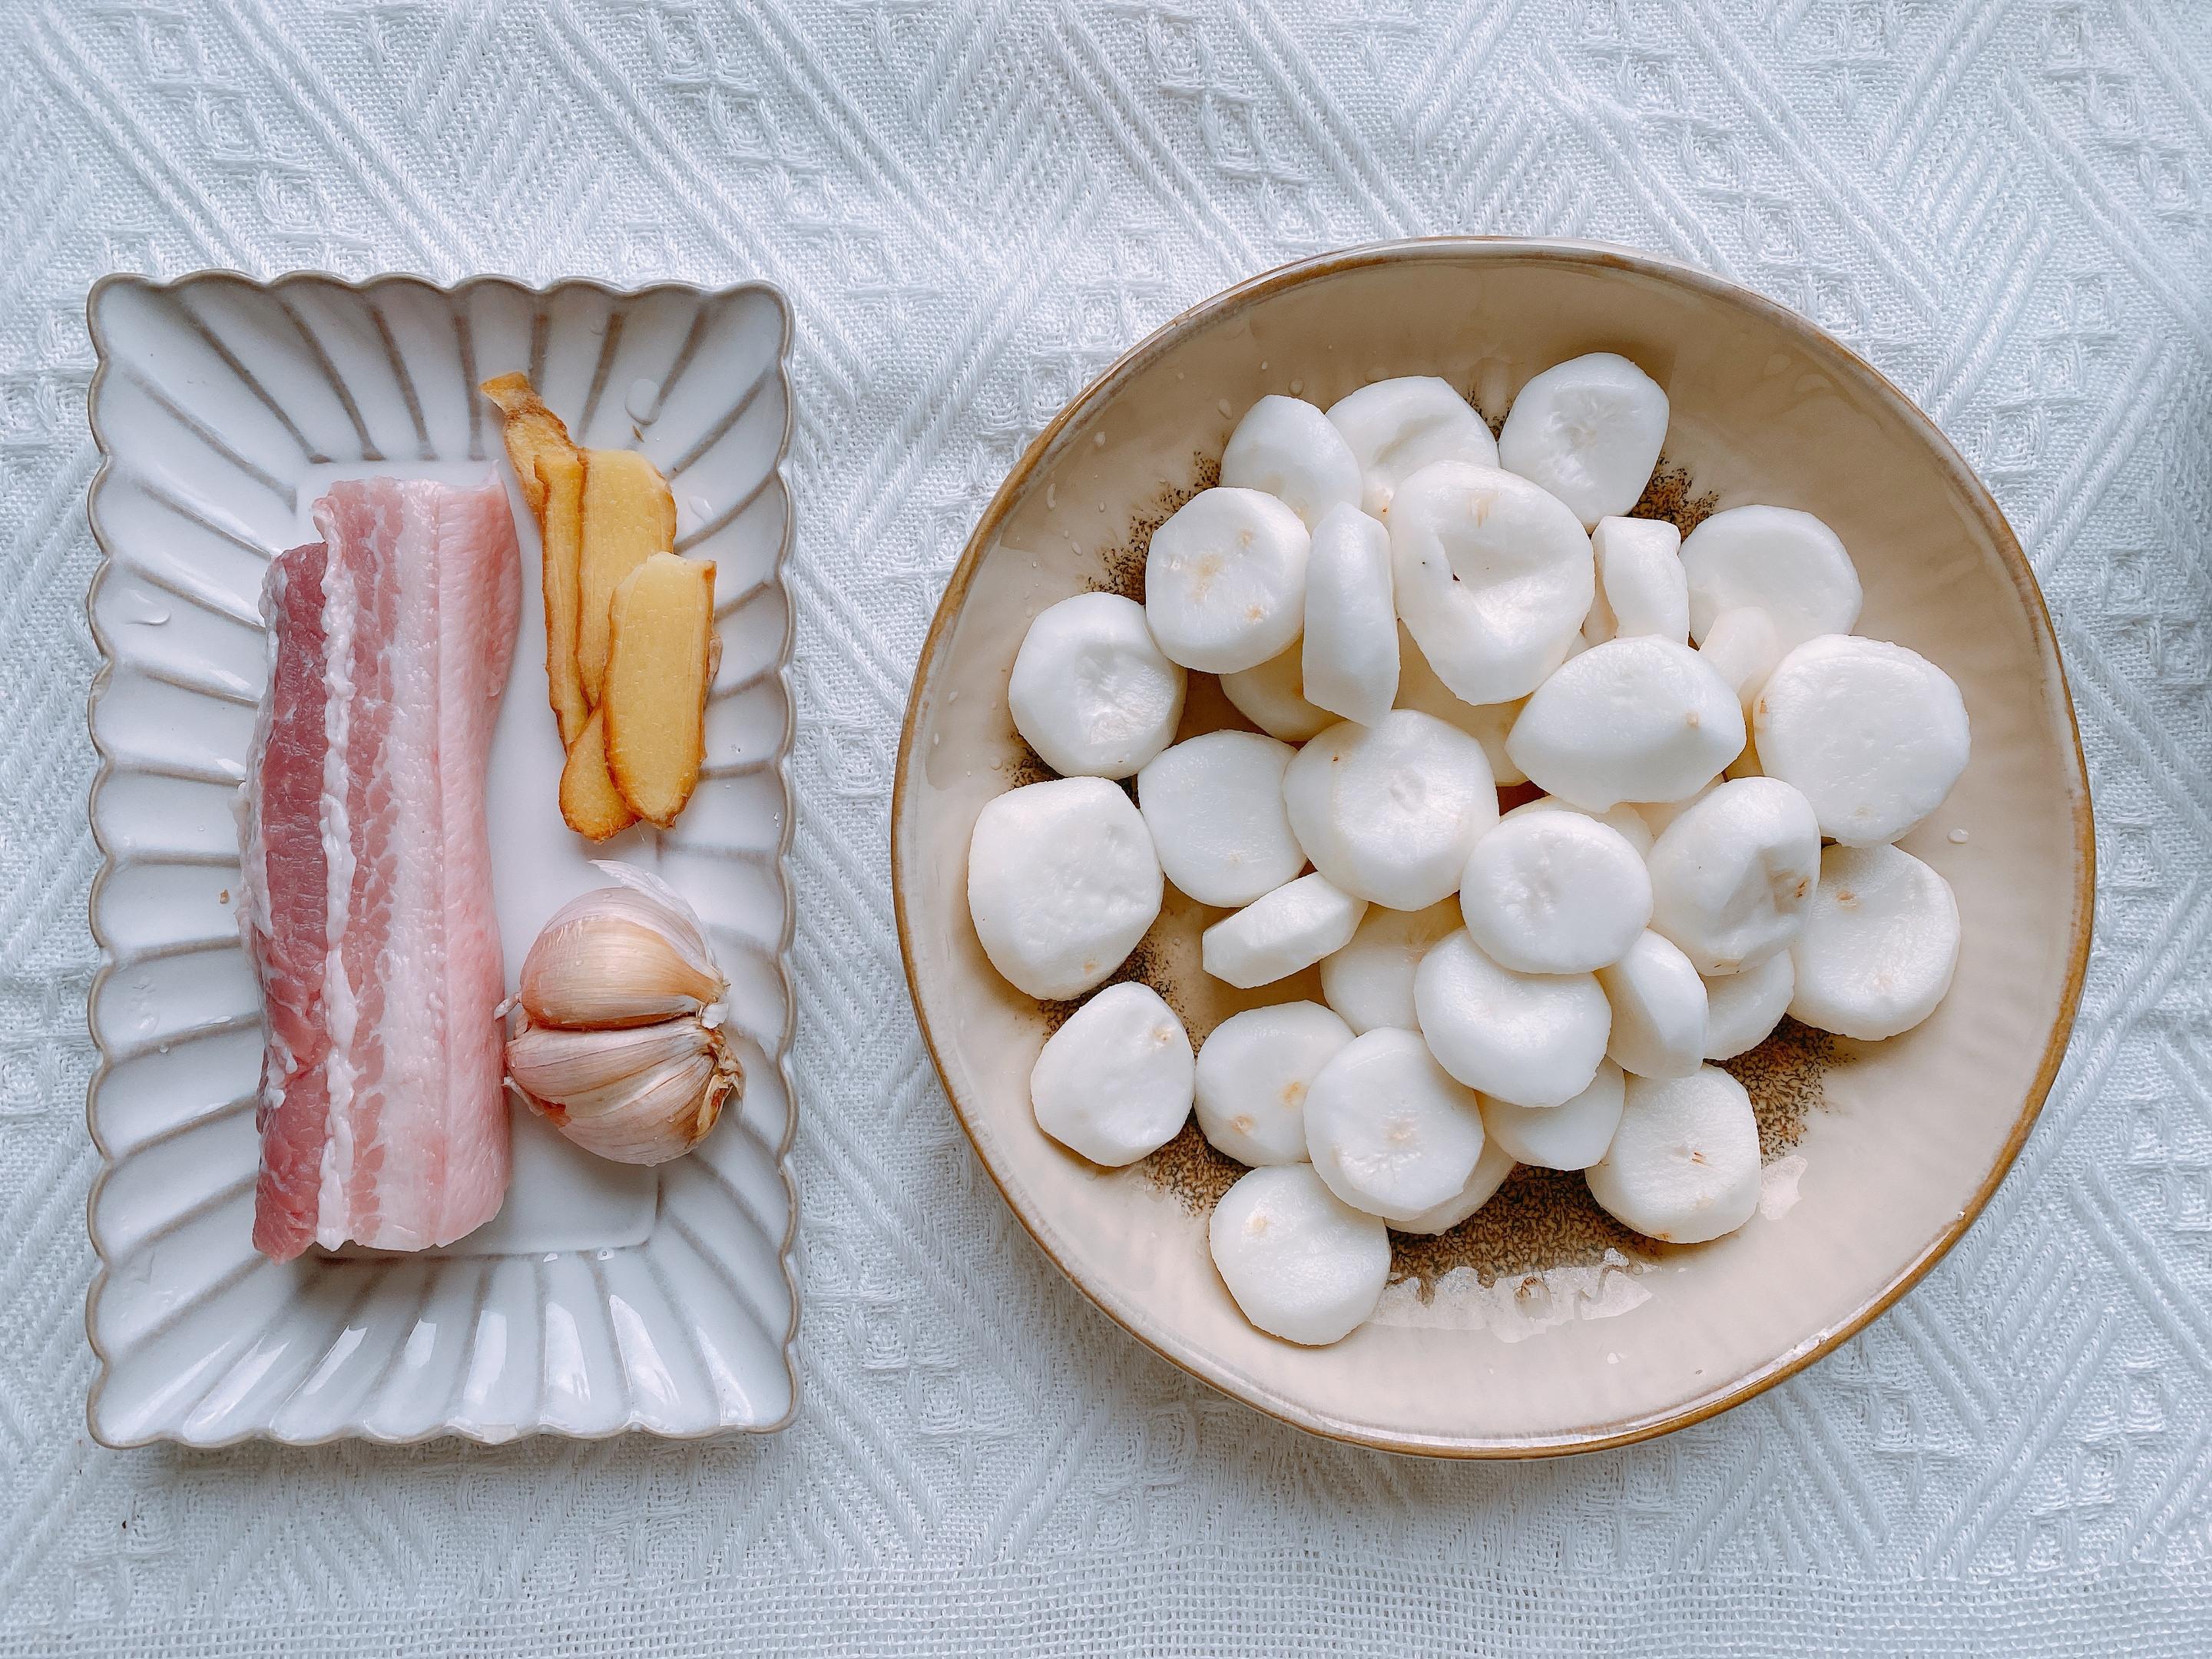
column 602, row 1297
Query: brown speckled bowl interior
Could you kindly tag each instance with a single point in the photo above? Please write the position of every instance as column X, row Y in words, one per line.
column 1538, row 1326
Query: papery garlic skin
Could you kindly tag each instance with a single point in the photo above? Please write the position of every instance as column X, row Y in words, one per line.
column 620, row 1045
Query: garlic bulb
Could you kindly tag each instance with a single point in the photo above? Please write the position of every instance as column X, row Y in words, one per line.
column 621, row 1046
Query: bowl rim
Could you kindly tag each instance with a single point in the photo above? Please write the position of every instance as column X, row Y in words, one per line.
column 1818, row 342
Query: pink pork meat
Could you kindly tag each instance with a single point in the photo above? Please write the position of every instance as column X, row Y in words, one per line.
column 367, row 904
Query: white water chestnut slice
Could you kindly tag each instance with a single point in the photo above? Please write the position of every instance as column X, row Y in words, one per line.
column 1487, row 723
column 1350, row 664
column 1214, row 804
column 1588, row 431
column 1225, row 580
column 1683, row 1167
column 1255, row 1071
column 1634, row 719
column 1370, row 980
column 1874, row 734
column 1624, row 821
column 1742, row 1010
column 1115, row 1082
column 1279, row 932
column 1658, row 1004
column 1290, row 449
column 1389, row 812
column 1732, row 875
column 1572, row 1136
column 1742, row 645
column 1300, row 1263
column 1533, row 1039
column 1273, row 697
column 1396, row 427
column 1062, row 882
column 1554, row 893
column 1880, row 944
column 1389, row 1130
column 1494, row 578
column 1490, row 1172
column 1091, row 692
column 1773, row 559
column 1640, row 586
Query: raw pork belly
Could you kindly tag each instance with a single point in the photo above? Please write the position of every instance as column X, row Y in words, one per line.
column 368, row 875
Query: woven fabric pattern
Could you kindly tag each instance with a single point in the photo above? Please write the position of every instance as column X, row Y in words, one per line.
column 974, row 207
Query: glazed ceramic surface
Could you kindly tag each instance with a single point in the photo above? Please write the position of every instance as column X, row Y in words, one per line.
column 1913, row 1134
column 602, row 1297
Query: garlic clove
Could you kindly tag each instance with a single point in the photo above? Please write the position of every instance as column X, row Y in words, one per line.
column 579, row 1069
column 658, row 1113
column 617, row 957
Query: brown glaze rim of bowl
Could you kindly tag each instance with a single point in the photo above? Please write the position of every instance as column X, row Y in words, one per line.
column 1819, row 343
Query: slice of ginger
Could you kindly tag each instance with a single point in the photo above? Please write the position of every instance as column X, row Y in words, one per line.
column 590, row 803
column 660, row 661
column 628, row 516
column 551, row 472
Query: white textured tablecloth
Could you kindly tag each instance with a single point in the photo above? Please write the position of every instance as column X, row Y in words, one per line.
column 2004, row 205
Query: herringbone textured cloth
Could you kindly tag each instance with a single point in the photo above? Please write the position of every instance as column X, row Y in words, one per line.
column 2007, row 204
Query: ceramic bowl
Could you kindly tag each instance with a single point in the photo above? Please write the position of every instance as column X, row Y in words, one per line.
column 1538, row 1327
column 602, row 1297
